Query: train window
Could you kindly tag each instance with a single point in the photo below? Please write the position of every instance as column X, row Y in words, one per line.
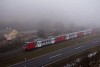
column 42, row 42
column 25, row 44
column 45, row 41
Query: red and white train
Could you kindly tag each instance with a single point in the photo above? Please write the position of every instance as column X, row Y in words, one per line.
column 54, row 39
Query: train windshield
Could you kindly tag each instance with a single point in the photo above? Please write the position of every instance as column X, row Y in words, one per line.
column 25, row 44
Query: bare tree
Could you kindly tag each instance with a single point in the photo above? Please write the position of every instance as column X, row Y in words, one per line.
column 59, row 28
column 44, row 28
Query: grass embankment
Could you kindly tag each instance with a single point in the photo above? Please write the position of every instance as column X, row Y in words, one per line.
column 47, row 49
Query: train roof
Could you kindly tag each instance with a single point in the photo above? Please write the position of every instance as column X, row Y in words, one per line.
column 51, row 36
column 39, row 39
column 29, row 42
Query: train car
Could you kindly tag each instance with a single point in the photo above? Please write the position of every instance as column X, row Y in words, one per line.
column 86, row 32
column 39, row 42
column 76, row 34
column 60, row 38
column 44, row 42
column 72, row 35
column 90, row 31
column 52, row 38
column 29, row 45
column 80, row 34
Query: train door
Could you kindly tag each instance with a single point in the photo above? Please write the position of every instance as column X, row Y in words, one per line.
column 48, row 41
column 39, row 43
column 67, row 37
column 45, row 42
column 75, row 34
column 85, row 32
column 52, row 40
column 70, row 35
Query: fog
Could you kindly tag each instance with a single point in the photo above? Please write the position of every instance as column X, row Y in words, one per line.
column 79, row 12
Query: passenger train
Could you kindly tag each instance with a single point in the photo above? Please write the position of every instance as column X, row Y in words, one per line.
column 54, row 39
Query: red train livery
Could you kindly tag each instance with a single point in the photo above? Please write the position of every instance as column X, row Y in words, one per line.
column 80, row 34
column 29, row 45
column 60, row 38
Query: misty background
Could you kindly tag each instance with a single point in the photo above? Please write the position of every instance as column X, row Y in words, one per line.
column 32, row 14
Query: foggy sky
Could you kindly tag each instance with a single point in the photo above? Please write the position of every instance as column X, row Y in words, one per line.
column 66, row 11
